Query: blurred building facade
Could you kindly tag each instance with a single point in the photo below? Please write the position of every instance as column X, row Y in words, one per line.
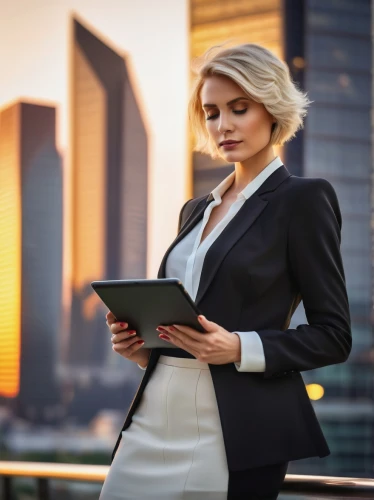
column 337, row 145
column 109, row 206
column 239, row 21
column 31, row 258
column 328, row 48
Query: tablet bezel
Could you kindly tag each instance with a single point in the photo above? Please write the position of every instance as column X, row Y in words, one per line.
column 172, row 285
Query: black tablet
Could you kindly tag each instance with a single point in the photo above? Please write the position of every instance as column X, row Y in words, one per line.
column 146, row 304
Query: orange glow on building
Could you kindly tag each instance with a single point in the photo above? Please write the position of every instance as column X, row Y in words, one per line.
column 236, row 22
column 10, row 252
column 222, row 25
column 89, row 176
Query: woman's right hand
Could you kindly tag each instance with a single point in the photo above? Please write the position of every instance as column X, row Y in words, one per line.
column 126, row 342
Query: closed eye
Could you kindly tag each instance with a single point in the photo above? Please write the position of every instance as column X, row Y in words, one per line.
column 236, row 111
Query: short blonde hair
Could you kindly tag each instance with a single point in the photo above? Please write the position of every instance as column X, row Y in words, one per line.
column 263, row 77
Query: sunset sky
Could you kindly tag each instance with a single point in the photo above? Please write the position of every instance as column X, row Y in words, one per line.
column 34, row 62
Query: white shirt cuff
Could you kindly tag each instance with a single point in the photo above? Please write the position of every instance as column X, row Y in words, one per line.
column 252, row 353
column 147, row 363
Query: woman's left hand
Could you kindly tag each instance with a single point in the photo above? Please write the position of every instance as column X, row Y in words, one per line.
column 217, row 346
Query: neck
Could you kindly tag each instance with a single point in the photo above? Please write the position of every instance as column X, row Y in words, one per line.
column 247, row 170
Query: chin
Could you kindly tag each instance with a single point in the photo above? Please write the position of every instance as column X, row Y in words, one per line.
column 234, row 156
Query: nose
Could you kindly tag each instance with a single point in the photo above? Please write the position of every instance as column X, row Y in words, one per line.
column 224, row 124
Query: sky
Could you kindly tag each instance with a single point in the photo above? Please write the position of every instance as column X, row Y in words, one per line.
column 34, row 62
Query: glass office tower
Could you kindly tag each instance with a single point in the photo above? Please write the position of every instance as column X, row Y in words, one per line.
column 109, row 214
column 327, row 45
column 30, row 260
column 109, row 164
column 213, row 23
column 337, row 144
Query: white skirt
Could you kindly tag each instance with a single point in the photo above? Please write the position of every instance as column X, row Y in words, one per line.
column 173, row 449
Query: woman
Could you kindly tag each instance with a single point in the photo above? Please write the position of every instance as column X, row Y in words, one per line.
column 220, row 415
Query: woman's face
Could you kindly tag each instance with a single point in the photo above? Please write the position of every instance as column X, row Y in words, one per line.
column 232, row 116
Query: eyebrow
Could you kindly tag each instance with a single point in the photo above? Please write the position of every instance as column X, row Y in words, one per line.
column 228, row 103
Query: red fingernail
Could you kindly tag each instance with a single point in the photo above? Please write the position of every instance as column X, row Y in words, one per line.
column 130, row 332
column 163, row 336
column 160, row 329
column 171, row 329
column 140, row 342
column 122, row 324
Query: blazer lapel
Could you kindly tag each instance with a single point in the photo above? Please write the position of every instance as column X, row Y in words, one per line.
column 195, row 216
column 241, row 223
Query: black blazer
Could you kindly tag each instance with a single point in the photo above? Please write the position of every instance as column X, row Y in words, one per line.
column 283, row 246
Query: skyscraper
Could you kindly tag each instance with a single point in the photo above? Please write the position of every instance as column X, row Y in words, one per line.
column 109, row 166
column 31, row 258
column 332, row 58
column 238, row 21
column 327, row 46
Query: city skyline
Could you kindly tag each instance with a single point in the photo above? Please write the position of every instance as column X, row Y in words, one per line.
column 108, row 225
column 158, row 72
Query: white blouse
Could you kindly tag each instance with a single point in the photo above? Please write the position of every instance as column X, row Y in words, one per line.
column 186, row 259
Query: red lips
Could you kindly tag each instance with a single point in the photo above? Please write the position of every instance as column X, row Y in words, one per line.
column 223, row 143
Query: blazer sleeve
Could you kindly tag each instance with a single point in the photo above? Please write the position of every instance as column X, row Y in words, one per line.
column 314, row 237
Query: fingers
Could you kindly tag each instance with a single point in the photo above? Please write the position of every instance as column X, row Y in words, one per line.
column 110, row 318
column 180, row 340
column 182, row 332
column 118, row 327
column 127, row 347
column 125, row 342
column 122, row 335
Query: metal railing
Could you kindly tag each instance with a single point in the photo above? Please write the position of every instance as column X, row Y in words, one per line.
column 325, row 486
column 43, row 472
